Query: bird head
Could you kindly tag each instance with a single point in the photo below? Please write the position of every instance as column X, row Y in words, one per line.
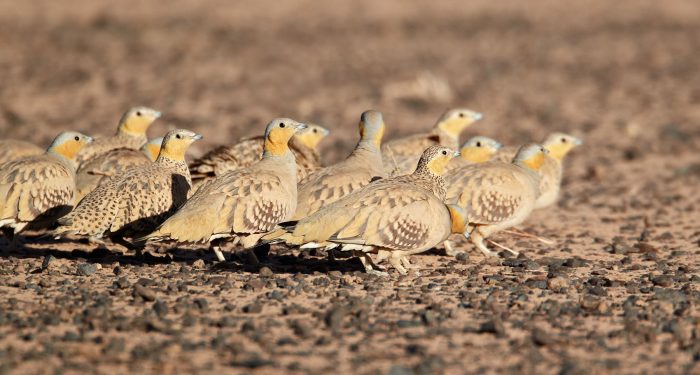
column 68, row 144
column 559, row 144
column 136, row 120
column 176, row 143
column 435, row 159
column 372, row 127
column 479, row 149
column 531, row 156
column 277, row 135
column 458, row 218
column 312, row 135
column 454, row 121
column 152, row 148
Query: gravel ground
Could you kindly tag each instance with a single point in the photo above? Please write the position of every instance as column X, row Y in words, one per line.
column 618, row 293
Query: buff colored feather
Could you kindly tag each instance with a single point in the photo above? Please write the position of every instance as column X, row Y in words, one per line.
column 497, row 195
column 131, row 134
column 394, row 217
column 39, row 189
column 139, row 199
column 304, row 146
column 362, row 166
column 12, row 149
column 401, row 155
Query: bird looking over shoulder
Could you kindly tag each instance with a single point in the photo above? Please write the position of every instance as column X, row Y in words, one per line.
column 131, row 133
column 138, row 200
column 362, row 166
column 241, row 205
column 37, row 190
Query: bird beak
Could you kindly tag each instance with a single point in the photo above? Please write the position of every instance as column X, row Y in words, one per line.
column 578, row 142
column 498, row 146
column 456, row 153
column 157, row 114
column 197, row 137
column 89, row 139
column 478, row 116
column 326, row 132
column 301, row 127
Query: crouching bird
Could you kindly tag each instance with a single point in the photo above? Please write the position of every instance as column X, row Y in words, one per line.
column 37, row 190
column 394, row 217
column 241, row 205
column 135, row 202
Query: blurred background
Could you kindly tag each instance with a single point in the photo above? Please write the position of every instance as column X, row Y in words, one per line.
column 622, row 74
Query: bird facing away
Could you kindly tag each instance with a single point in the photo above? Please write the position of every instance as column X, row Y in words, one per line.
column 131, row 133
column 393, row 217
column 242, row 204
column 13, row 149
column 36, row 190
column 401, row 155
column 558, row 145
column 138, row 200
column 100, row 168
column 496, row 195
column 304, row 146
column 363, row 165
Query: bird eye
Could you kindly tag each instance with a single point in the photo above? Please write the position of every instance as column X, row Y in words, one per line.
column 178, row 136
column 461, row 114
column 478, row 144
column 138, row 113
column 315, row 130
column 444, row 152
column 77, row 138
column 563, row 140
column 282, row 125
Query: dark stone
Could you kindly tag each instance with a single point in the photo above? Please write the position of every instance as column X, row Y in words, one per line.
column 253, row 308
column 144, row 292
column 86, row 269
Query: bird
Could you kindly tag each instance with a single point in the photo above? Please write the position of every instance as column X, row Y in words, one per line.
column 131, row 133
column 13, row 149
column 401, row 155
column 361, row 167
column 243, row 204
column 100, row 168
column 496, row 195
column 304, row 146
column 394, row 217
column 37, row 190
column 137, row 201
column 475, row 150
column 559, row 145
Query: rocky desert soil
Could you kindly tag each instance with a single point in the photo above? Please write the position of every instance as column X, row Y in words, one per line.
column 617, row 294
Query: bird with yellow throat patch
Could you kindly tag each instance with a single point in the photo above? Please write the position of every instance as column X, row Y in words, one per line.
column 131, row 133
column 138, row 200
column 496, row 195
column 241, row 205
column 394, row 218
column 37, row 190
column 401, row 155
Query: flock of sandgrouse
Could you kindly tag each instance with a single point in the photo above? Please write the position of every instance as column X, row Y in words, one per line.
column 392, row 200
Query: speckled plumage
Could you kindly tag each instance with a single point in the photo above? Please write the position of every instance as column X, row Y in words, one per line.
column 112, row 163
column 558, row 145
column 395, row 217
column 242, row 204
column 496, row 195
column 39, row 189
column 249, row 150
column 131, row 134
column 13, row 149
column 139, row 199
column 362, row 166
column 401, row 155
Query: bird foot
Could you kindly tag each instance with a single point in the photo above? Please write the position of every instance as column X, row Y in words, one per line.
column 522, row 233
column 516, row 253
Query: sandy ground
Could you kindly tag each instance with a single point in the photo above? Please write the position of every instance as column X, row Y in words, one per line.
column 618, row 293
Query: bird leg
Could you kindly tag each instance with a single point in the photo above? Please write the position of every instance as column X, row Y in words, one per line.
column 478, row 240
column 396, row 260
column 216, row 247
column 494, row 243
column 368, row 264
column 522, row 233
column 449, row 249
column 248, row 242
